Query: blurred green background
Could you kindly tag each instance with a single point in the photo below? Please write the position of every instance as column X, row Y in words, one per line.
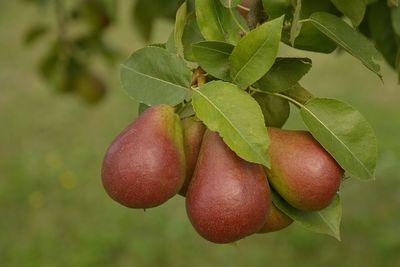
column 54, row 212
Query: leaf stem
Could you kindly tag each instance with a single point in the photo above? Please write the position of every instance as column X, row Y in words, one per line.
column 296, row 103
column 293, row 101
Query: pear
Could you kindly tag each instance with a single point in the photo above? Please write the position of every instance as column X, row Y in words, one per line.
column 228, row 197
column 193, row 131
column 302, row 171
column 90, row 88
column 145, row 164
column 276, row 220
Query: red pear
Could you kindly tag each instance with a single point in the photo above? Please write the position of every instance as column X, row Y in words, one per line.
column 302, row 171
column 145, row 165
column 193, row 131
column 276, row 220
column 228, row 198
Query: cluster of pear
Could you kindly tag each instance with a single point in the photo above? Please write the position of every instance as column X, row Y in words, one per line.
column 227, row 198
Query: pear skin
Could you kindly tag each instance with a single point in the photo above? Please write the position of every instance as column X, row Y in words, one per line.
column 302, row 171
column 145, row 164
column 276, row 220
column 228, row 197
column 193, row 131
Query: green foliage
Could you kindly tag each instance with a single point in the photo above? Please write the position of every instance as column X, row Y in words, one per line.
column 255, row 53
column 213, row 57
column 326, row 221
column 285, row 73
column 217, row 23
column 346, row 37
column 224, row 108
column 71, row 52
column 304, row 35
column 276, row 110
column 381, row 30
column 354, row 10
column 153, row 76
column 344, row 133
column 276, row 8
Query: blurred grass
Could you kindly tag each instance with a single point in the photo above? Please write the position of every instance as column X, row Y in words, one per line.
column 54, row 212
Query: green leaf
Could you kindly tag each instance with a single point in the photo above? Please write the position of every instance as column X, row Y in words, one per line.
column 276, row 110
column 152, row 76
column 348, row 38
column 170, row 44
column 180, row 22
column 230, row 3
column 255, row 53
column 396, row 20
column 310, row 38
column 344, row 133
column 285, row 73
column 296, row 26
column 186, row 111
column 216, row 23
column 191, row 35
column 354, row 9
column 382, row 32
column 326, row 221
column 213, row 57
column 276, row 8
column 224, row 108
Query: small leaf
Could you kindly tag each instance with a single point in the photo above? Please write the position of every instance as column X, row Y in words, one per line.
column 285, row 73
column 326, row 221
column 344, row 133
column 216, row 23
column 152, row 75
column 230, row 3
column 191, row 35
column 348, row 38
column 255, row 53
column 296, row 26
column 382, row 32
column 186, row 111
column 276, row 110
column 170, row 44
column 276, row 8
column 224, row 108
column 354, row 9
column 310, row 38
column 180, row 22
column 213, row 57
